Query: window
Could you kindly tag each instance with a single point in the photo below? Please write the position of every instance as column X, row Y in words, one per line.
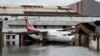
column 7, row 43
column 16, row 26
column 94, row 38
column 45, row 27
column 64, row 27
column 70, row 34
column 6, row 18
column 13, row 36
column 7, row 36
column 13, row 43
column 35, row 26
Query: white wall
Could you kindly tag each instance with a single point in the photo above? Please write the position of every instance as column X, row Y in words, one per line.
column 43, row 20
column 93, row 44
column 52, row 18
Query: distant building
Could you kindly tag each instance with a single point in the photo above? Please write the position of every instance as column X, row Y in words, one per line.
column 87, row 7
column 41, row 17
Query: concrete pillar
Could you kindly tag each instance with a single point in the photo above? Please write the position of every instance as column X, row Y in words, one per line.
column 21, row 40
column 1, row 44
column 1, row 38
column 79, row 39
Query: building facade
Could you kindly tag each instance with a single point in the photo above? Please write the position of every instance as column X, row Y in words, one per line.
column 11, row 39
column 42, row 18
column 87, row 7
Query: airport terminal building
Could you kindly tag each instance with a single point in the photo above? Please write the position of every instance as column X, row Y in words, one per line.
column 12, row 18
column 40, row 17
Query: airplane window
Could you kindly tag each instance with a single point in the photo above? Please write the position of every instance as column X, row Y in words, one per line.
column 94, row 38
column 69, row 34
column 6, row 18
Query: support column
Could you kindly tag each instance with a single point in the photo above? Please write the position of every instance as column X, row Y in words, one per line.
column 1, row 44
column 21, row 40
column 97, row 43
column 79, row 39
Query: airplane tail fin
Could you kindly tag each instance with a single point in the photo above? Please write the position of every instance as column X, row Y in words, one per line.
column 29, row 26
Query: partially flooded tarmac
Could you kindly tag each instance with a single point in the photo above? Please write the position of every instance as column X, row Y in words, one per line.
column 49, row 50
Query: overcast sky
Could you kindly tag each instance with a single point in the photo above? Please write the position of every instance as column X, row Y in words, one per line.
column 97, row 0
column 39, row 2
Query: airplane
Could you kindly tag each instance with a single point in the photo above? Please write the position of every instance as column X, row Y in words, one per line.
column 51, row 34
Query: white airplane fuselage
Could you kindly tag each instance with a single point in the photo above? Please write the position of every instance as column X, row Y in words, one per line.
column 54, row 35
column 60, row 36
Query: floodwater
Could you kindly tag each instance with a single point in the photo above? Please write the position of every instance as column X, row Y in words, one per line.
column 49, row 50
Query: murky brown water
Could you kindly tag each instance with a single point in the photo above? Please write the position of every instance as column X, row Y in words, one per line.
column 50, row 50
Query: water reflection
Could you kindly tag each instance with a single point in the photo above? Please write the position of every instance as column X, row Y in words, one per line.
column 37, row 49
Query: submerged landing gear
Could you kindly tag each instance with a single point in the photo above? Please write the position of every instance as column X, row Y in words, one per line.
column 44, row 42
column 73, row 43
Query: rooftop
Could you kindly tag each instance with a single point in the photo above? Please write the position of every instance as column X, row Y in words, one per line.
column 35, row 9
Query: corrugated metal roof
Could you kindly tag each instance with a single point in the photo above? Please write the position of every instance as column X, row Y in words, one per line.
column 31, row 8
